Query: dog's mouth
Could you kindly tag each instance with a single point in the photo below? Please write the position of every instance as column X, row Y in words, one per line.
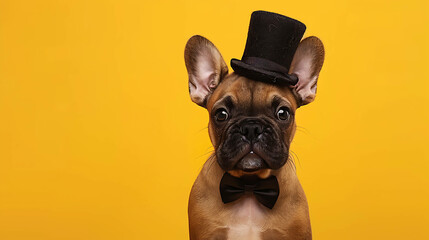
column 242, row 152
column 250, row 158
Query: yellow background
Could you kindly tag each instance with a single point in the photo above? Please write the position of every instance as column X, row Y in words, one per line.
column 99, row 139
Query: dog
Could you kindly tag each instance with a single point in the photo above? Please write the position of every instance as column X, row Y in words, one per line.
column 251, row 126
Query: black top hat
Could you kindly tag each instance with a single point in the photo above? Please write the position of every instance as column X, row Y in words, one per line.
column 271, row 43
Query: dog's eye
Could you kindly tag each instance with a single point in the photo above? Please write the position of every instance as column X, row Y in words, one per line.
column 283, row 114
column 221, row 115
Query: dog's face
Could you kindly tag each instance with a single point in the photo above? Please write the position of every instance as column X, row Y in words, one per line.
column 251, row 123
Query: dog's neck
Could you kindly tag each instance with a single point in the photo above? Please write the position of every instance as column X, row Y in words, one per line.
column 248, row 214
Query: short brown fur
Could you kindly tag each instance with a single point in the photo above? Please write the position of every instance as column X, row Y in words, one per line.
column 205, row 201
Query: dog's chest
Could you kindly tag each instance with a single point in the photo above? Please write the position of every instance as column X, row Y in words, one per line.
column 247, row 219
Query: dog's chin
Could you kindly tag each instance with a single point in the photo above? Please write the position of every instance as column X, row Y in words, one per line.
column 262, row 173
column 251, row 164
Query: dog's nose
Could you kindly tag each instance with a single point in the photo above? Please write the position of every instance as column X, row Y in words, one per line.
column 251, row 130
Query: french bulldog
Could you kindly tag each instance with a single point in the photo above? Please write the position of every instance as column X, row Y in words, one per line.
column 251, row 126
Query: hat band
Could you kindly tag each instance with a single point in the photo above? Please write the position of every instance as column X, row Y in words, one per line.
column 266, row 65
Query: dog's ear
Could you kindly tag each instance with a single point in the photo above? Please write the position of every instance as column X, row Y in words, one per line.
column 306, row 64
column 206, row 68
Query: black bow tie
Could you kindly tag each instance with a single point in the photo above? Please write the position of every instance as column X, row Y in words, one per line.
column 266, row 191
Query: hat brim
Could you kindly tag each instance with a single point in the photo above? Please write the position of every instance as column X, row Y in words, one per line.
column 259, row 74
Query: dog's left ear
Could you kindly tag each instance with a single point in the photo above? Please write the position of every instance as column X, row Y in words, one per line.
column 206, row 68
column 306, row 64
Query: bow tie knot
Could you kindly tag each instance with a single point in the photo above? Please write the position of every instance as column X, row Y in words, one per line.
column 266, row 191
column 249, row 188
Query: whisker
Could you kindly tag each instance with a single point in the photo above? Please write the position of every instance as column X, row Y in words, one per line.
column 211, row 147
column 291, row 163
column 205, row 154
column 295, row 157
column 302, row 129
column 210, row 158
column 204, row 128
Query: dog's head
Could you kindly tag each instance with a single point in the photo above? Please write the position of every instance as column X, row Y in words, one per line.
column 251, row 123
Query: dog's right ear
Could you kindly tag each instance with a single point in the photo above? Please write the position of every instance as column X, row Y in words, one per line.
column 206, row 68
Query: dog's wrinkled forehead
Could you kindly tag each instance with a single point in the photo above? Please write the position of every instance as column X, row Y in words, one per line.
column 250, row 95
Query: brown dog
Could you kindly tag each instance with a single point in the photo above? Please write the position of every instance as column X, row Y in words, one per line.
column 266, row 113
